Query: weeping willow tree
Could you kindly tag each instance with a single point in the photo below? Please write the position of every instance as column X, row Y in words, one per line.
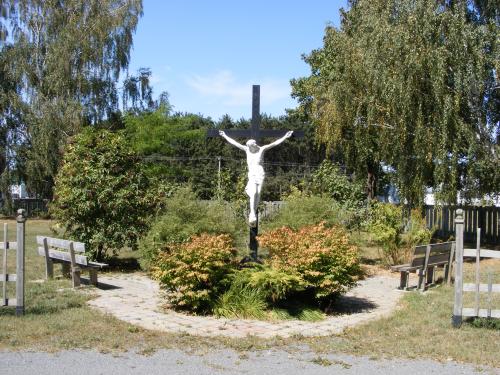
column 411, row 86
column 67, row 56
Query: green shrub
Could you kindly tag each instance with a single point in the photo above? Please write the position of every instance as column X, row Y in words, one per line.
column 101, row 195
column 301, row 209
column 185, row 216
column 197, row 272
column 417, row 232
column 386, row 225
column 330, row 181
column 273, row 284
column 305, row 313
column 322, row 256
column 241, row 302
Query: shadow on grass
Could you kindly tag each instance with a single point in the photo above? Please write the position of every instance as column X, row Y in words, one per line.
column 487, row 323
column 350, row 305
column 49, row 298
column 370, row 261
column 303, row 307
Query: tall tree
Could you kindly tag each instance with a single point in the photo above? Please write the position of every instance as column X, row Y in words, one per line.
column 411, row 86
column 67, row 55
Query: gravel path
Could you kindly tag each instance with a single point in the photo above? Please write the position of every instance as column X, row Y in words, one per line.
column 135, row 298
column 175, row 362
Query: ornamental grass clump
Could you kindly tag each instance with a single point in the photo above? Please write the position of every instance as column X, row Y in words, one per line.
column 195, row 273
column 321, row 255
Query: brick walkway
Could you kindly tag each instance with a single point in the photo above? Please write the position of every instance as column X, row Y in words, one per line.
column 135, row 298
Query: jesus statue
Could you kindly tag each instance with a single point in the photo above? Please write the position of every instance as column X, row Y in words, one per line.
column 255, row 157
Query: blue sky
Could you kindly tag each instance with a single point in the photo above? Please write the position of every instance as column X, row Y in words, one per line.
column 207, row 54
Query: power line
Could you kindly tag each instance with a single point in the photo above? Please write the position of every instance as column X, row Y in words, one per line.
column 160, row 158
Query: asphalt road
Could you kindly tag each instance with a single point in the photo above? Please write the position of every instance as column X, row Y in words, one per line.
column 176, row 362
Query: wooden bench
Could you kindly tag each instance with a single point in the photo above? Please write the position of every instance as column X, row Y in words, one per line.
column 70, row 255
column 425, row 260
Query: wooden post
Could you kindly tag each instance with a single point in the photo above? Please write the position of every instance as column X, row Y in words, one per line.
column 490, row 289
column 254, row 245
column 459, row 257
column 75, row 269
column 478, row 275
column 4, row 265
column 21, row 221
column 49, row 264
column 422, row 277
column 449, row 266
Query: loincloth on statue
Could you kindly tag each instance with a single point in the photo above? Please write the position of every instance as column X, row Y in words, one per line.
column 254, row 178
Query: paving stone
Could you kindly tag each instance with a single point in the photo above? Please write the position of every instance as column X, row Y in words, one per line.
column 139, row 298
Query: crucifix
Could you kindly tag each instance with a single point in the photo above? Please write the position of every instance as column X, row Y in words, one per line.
column 254, row 154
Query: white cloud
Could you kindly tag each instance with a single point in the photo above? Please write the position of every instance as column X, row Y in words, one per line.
column 155, row 79
column 223, row 86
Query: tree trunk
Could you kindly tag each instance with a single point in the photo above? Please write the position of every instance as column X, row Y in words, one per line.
column 99, row 255
column 371, row 183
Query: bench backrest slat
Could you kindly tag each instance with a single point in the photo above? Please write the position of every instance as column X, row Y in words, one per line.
column 437, row 258
column 78, row 247
column 64, row 255
column 444, row 247
column 439, row 252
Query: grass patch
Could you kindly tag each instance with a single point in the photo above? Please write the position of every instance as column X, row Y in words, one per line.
column 421, row 328
column 58, row 318
column 305, row 313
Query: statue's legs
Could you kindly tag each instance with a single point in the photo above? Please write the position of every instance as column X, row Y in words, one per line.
column 254, row 196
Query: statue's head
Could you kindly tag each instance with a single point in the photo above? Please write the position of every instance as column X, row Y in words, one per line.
column 252, row 145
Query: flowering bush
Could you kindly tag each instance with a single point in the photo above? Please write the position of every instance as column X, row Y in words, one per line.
column 322, row 256
column 196, row 273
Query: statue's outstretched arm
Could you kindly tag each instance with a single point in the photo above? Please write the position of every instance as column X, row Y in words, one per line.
column 278, row 141
column 232, row 141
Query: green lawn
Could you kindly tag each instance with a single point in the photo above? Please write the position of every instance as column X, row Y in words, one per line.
column 57, row 317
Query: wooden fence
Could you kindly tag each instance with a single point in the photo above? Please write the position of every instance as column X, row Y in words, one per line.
column 18, row 277
column 486, row 218
column 31, row 206
column 459, row 312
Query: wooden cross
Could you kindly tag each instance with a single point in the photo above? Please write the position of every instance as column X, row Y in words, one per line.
column 255, row 132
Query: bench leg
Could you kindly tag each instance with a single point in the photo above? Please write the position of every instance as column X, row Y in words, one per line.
column 76, row 276
column 430, row 275
column 93, row 276
column 49, row 268
column 421, row 282
column 403, row 282
column 447, row 273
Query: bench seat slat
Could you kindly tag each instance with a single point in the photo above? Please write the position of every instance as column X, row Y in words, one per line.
column 97, row 264
column 65, row 256
column 78, row 247
column 398, row 267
